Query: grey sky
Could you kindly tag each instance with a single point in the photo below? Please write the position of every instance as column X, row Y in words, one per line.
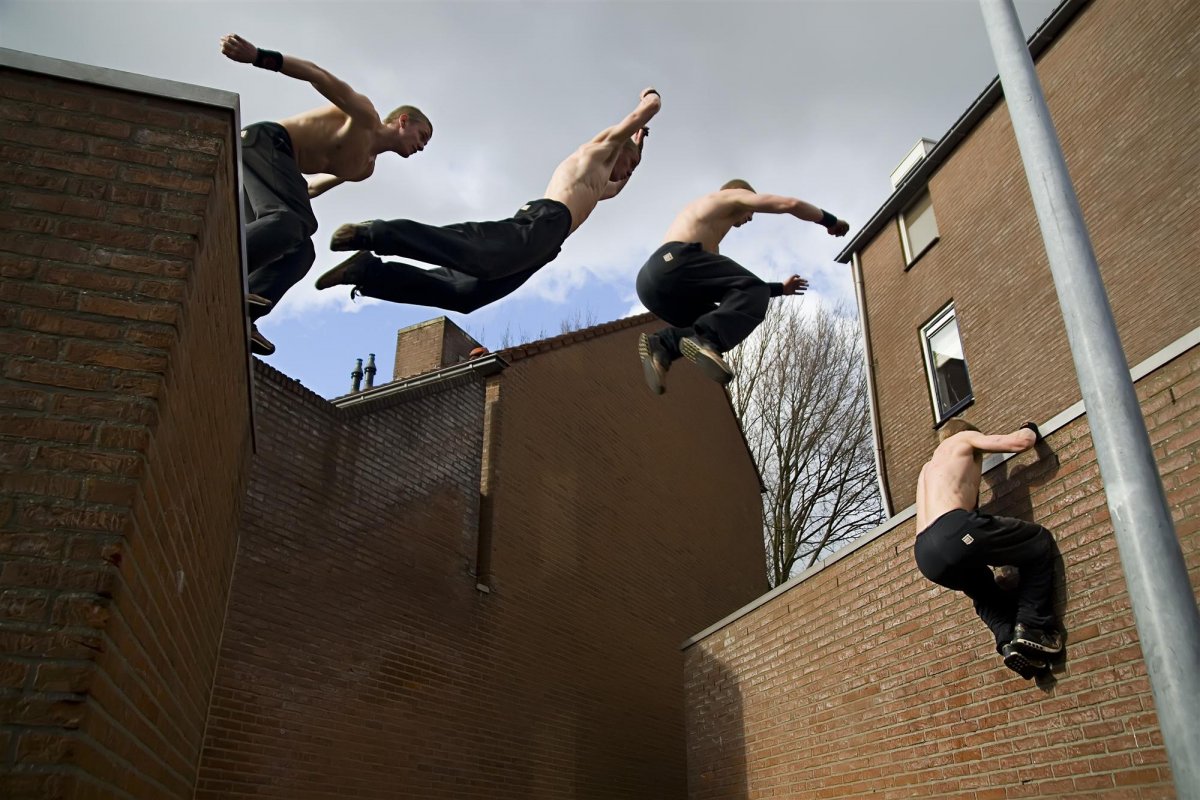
column 819, row 100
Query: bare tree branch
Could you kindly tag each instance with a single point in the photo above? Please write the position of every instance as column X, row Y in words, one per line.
column 801, row 396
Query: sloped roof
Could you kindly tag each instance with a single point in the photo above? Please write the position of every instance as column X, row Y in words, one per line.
column 517, row 352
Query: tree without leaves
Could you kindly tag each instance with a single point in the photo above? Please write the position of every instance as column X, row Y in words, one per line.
column 801, row 396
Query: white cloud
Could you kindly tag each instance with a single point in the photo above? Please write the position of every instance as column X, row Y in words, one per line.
column 818, row 100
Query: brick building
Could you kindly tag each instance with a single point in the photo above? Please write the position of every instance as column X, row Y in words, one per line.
column 859, row 678
column 472, row 582
column 469, row 582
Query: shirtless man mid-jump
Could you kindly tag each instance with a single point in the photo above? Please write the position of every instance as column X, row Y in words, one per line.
column 479, row 262
column 956, row 545
column 712, row 302
column 333, row 144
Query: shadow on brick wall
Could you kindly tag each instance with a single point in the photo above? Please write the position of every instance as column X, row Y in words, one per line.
column 718, row 730
column 1011, row 496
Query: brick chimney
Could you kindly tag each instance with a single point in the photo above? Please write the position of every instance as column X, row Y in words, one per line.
column 430, row 345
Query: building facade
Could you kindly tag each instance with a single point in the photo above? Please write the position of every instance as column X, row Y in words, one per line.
column 859, row 677
column 469, row 582
column 473, row 582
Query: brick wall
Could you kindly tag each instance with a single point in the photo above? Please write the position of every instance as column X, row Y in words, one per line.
column 125, row 432
column 430, row 345
column 360, row 658
column 623, row 522
column 348, row 666
column 1121, row 85
column 864, row 679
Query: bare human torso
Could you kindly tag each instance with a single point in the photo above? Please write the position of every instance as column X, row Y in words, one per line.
column 327, row 140
column 706, row 221
column 581, row 180
column 949, row 480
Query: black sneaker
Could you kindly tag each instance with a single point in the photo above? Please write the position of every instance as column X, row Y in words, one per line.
column 707, row 359
column 351, row 236
column 1025, row 665
column 655, row 362
column 1034, row 640
column 348, row 273
column 259, row 344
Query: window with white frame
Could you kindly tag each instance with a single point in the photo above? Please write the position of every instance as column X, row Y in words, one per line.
column 918, row 228
column 945, row 365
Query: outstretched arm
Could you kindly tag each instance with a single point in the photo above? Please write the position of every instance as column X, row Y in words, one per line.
column 334, row 89
column 779, row 204
column 640, row 116
column 1018, row 441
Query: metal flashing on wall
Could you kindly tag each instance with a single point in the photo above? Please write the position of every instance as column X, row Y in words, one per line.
column 1160, row 359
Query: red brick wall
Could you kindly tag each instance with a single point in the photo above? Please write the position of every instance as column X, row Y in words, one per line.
column 1121, row 84
column 361, row 660
column 125, row 431
column 623, row 522
column 350, row 664
column 864, row 679
column 430, row 345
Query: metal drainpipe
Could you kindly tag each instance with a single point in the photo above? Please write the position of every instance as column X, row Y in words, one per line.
column 880, row 463
column 487, row 488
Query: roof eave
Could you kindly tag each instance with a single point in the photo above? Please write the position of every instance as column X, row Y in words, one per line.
column 918, row 178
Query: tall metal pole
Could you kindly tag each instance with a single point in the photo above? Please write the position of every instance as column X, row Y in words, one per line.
column 1164, row 608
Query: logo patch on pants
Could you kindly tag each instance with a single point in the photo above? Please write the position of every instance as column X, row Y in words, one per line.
column 668, row 257
column 968, row 539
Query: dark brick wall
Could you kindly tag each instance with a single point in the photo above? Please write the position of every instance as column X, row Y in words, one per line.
column 866, row 680
column 360, row 657
column 430, row 345
column 624, row 523
column 348, row 665
column 125, row 433
column 1121, row 84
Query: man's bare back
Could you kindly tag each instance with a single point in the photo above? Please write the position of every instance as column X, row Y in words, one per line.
column 950, row 479
column 706, row 220
column 581, row 180
column 327, row 140
column 599, row 169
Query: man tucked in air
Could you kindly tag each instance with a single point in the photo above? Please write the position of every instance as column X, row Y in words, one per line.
column 956, row 546
column 710, row 301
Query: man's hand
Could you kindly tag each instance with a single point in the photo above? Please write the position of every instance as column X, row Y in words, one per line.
column 1037, row 435
column 651, row 90
column 795, row 285
column 840, row 228
column 238, row 49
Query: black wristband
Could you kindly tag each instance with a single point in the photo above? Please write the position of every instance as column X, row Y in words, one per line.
column 651, row 91
column 268, row 59
column 827, row 219
column 1033, row 427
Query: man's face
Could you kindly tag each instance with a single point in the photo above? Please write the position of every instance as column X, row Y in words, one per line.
column 627, row 162
column 742, row 220
column 413, row 135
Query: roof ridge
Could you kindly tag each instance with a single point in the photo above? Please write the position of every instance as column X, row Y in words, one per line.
column 517, row 352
